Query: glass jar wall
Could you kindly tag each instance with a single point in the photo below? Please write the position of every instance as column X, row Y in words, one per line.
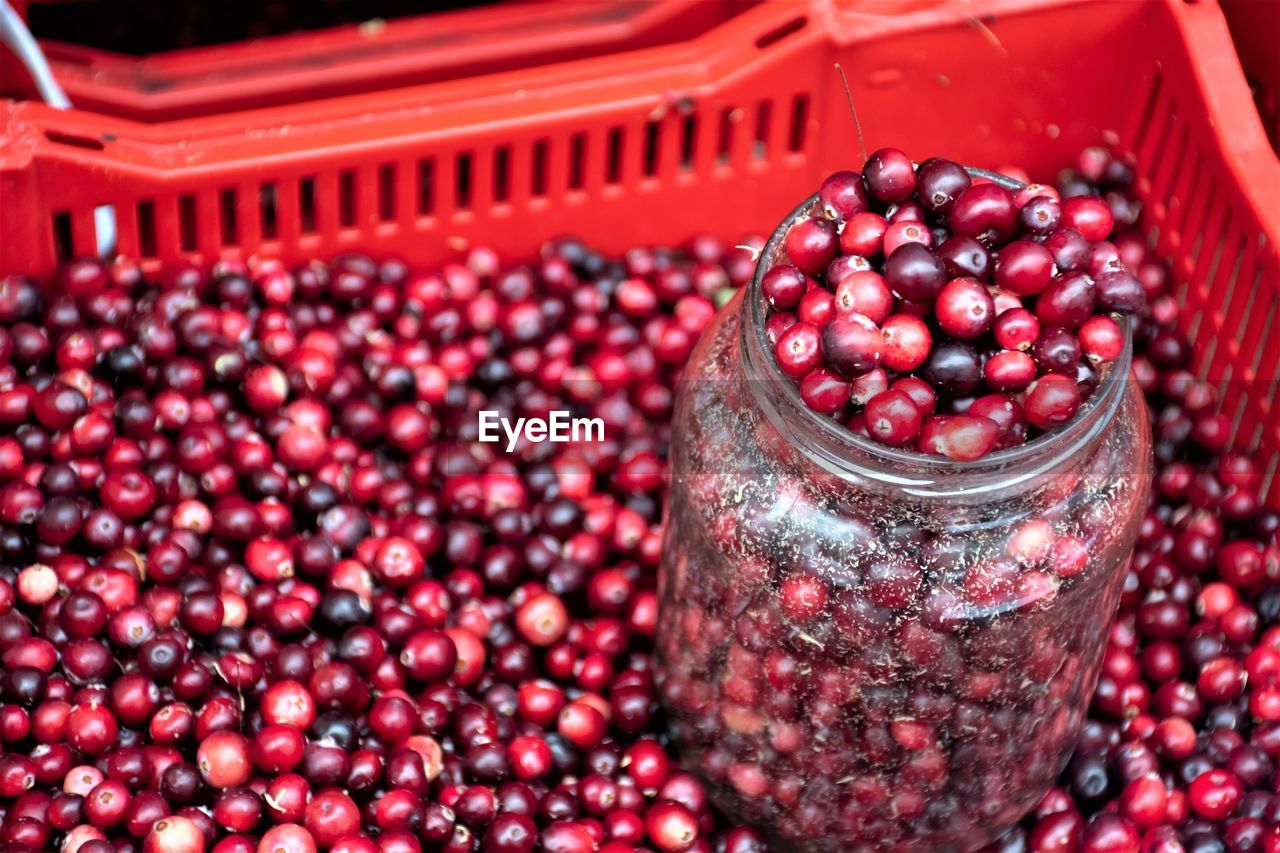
column 868, row 648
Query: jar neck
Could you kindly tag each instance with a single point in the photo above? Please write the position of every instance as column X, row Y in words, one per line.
column 827, row 444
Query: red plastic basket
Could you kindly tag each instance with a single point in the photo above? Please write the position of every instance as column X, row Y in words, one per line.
column 370, row 55
column 720, row 131
column 1255, row 27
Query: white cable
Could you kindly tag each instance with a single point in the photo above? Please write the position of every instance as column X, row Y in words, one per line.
column 14, row 33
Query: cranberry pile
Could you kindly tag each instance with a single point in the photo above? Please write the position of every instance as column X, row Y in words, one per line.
column 261, row 589
column 926, row 309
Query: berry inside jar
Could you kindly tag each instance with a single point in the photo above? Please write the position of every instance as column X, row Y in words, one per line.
column 953, row 313
column 908, row 471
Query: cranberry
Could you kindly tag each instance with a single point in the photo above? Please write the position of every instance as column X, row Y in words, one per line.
column 1214, row 794
column 954, row 366
column 542, row 620
column 964, row 309
column 1052, row 401
column 893, row 418
column 1024, row 267
column 287, row 838
column 904, row 231
column 890, row 175
column 985, row 212
column 939, row 182
column 852, row 345
column 960, row 437
column 783, row 286
column 864, row 293
column 842, row 196
column 1009, row 370
column 965, row 257
column 173, row 834
column 906, row 342
column 671, row 827
column 863, row 234
column 915, row 273
column 824, row 391
column 803, row 597
column 224, row 760
column 799, row 349
column 812, row 245
column 1118, row 290
column 1101, row 339
column 1089, row 215
column 1067, row 302
column 91, row 728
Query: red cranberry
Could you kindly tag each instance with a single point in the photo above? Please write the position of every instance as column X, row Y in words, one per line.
column 939, row 182
column 842, row 196
column 893, row 418
column 906, row 342
column 812, row 244
column 174, row 834
column 671, row 827
column 224, row 760
column 783, row 286
column 1024, row 267
column 863, row 234
column 824, row 391
column 799, row 349
column 890, row 175
column 985, row 212
column 915, row 273
column 852, row 345
column 1214, row 794
column 1052, row 401
column 964, row 309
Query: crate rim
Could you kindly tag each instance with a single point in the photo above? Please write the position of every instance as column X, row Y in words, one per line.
column 163, row 151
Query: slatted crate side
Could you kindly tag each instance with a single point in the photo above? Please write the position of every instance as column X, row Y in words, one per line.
column 1210, row 220
column 629, row 173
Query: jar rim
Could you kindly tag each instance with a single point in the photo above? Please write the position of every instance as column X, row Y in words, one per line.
column 894, row 462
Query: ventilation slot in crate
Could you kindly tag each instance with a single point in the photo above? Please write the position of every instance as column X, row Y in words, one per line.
column 577, row 161
column 502, row 174
column 538, row 178
column 62, row 235
column 228, row 227
column 147, row 228
column 463, row 181
column 764, row 118
column 799, row 123
column 307, row 221
column 688, row 142
column 652, row 147
column 387, row 192
column 346, row 201
column 188, row 227
column 267, row 194
column 613, row 161
column 729, row 116
column 426, row 187
column 781, row 31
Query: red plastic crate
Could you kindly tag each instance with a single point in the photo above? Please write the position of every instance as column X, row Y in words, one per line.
column 718, row 132
column 1255, row 27
column 369, row 56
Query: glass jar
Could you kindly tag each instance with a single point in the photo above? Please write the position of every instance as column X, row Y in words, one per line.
column 861, row 647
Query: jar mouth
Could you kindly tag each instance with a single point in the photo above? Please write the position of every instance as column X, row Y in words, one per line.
column 845, row 449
